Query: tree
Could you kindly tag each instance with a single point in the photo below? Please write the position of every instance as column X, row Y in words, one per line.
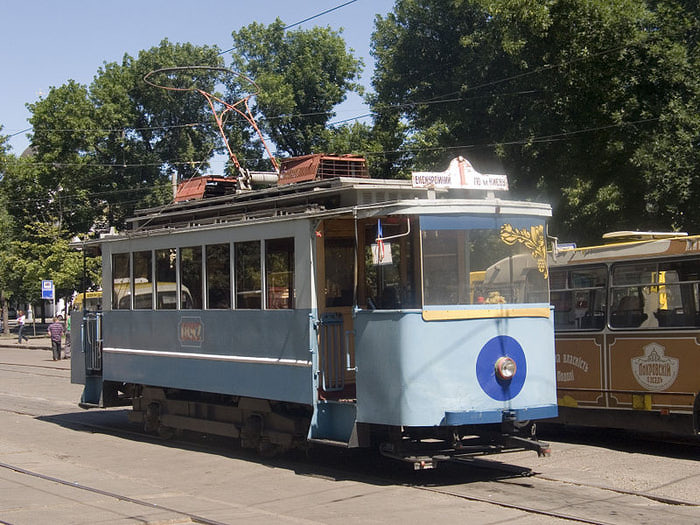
column 5, row 232
column 99, row 151
column 589, row 104
column 301, row 75
column 43, row 253
column 103, row 150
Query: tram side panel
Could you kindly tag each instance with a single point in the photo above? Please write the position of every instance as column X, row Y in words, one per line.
column 77, row 362
column 627, row 340
column 262, row 354
column 638, row 371
column 654, row 371
column 416, row 373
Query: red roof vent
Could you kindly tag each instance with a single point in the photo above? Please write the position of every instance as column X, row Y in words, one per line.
column 319, row 166
column 204, row 187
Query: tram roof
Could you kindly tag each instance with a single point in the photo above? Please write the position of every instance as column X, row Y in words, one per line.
column 354, row 197
column 642, row 248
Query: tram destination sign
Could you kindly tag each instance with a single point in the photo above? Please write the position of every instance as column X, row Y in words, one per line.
column 459, row 174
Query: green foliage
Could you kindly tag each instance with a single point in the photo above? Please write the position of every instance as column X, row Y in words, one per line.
column 105, row 149
column 354, row 139
column 43, row 253
column 301, row 75
column 5, row 232
column 99, row 151
column 589, row 104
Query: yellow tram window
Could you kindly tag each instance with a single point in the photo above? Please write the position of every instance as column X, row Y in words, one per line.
column 121, row 281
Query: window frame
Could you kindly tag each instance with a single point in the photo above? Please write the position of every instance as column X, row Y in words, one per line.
column 571, row 290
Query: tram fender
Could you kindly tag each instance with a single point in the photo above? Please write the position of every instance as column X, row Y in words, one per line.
column 334, row 421
column 98, row 393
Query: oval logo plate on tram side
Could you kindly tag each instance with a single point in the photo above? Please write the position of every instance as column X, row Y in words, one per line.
column 191, row 331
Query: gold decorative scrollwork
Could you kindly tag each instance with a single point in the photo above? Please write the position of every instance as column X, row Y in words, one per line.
column 533, row 239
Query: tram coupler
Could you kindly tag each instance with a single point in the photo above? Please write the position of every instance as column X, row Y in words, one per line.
column 542, row 449
column 419, row 461
column 522, row 434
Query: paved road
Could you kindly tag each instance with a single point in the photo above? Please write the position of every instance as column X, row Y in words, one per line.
column 42, row 432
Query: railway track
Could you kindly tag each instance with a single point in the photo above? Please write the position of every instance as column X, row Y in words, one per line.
column 500, row 484
column 194, row 518
column 513, row 480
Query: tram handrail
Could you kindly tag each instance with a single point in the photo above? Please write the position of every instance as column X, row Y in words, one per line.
column 92, row 342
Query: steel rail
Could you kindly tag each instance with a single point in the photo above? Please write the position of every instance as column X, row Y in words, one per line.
column 194, row 517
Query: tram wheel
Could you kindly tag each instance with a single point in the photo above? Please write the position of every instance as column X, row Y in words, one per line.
column 166, row 432
column 526, row 427
column 151, row 419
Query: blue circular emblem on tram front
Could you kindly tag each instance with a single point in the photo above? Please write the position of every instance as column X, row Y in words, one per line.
column 496, row 388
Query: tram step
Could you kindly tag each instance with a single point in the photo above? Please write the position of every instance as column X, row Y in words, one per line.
column 334, row 422
column 330, row 442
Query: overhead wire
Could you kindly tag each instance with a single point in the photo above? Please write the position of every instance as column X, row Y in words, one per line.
column 304, row 20
column 289, row 26
column 539, row 139
column 439, row 99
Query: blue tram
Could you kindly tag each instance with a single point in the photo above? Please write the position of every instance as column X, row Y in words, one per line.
column 330, row 308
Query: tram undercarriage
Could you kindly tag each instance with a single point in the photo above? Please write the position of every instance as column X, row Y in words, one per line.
column 267, row 426
column 272, row 427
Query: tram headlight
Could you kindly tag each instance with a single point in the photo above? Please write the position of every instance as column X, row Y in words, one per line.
column 505, row 368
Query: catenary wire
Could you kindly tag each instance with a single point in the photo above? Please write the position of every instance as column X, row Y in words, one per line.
column 303, row 21
column 540, row 139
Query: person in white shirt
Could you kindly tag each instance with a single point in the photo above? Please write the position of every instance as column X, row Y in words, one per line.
column 20, row 324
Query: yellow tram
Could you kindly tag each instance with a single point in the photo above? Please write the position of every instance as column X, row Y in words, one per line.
column 627, row 324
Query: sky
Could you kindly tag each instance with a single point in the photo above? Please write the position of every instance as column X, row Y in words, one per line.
column 45, row 43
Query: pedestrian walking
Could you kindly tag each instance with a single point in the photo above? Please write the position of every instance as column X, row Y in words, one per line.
column 20, row 326
column 66, row 353
column 56, row 330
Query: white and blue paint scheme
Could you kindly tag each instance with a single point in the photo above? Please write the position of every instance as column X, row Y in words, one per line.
column 367, row 312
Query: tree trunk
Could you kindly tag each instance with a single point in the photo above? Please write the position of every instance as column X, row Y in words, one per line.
column 5, row 315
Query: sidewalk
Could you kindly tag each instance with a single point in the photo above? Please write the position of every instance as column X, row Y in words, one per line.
column 40, row 341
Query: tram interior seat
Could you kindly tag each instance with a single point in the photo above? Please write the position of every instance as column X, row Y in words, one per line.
column 563, row 317
column 389, row 299
column 676, row 317
column 629, row 313
column 344, row 299
column 594, row 320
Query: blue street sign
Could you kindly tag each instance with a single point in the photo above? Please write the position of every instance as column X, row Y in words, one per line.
column 47, row 289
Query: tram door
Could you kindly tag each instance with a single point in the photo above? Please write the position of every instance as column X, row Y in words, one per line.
column 336, row 278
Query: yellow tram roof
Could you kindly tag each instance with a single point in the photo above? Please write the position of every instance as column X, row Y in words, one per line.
column 632, row 245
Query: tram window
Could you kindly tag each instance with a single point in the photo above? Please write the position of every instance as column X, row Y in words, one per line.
column 579, row 298
column 166, row 264
column 390, row 285
column 558, row 279
column 248, row 275
column 218, row 276
column 121, row 281
column 679, row 293
column 635, row 295
column 191, row 277
column 479, row 266
column 143, row 281
column 279, row 273
column 535, row 287
column 664, row 294
column 441, row 265
column 339, row 254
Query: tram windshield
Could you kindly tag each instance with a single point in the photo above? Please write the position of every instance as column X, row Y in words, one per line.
column 469, row 260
